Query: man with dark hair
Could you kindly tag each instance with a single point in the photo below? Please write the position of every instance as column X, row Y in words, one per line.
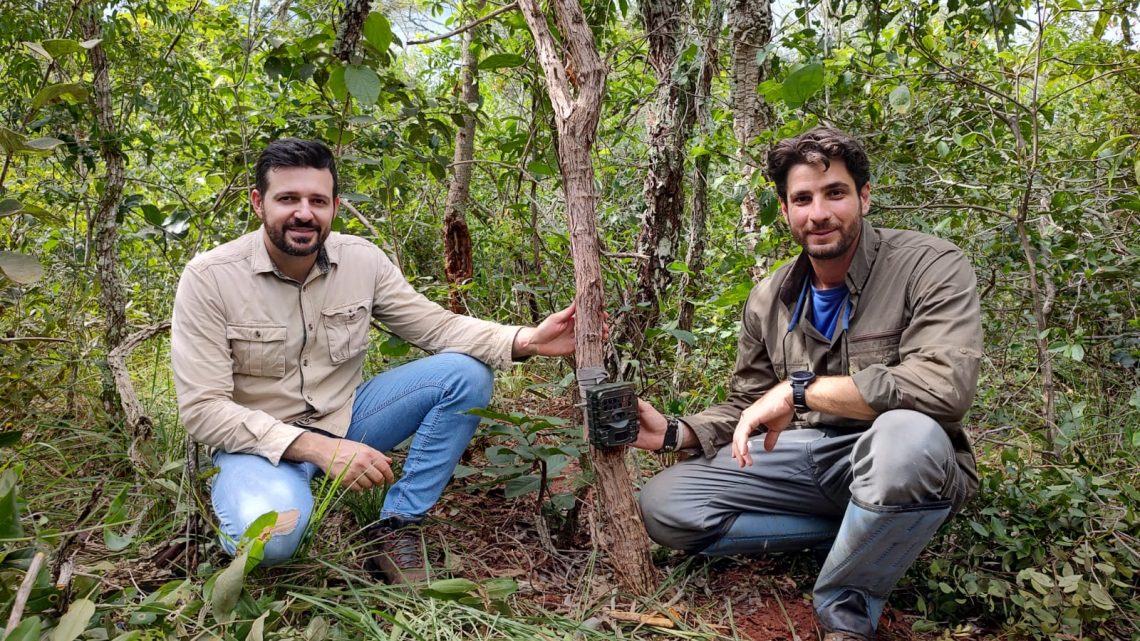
column 268, row 342
column 868, row 345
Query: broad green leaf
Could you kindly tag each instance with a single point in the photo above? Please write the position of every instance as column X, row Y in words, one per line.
column 539, row 168
column 10, row 206
column 74, row 622
column 900, row 99
column 501, row 61
column 453, row 586
column 336, row 83
column 521, row 485
column 228, row 585
column 28, row 630
column 734, row 296
column 10, row 527
column 257, row 630
column 500, row 587
column 1134, row 400
column 678, row 267
column 91, row 44
column 46, row 143
column 21, row 268
column 61, row 47
column 801, row 84
column 378, row 31
column 54, row 92
column 362, row 83
column 116, row 515
column 688, row 338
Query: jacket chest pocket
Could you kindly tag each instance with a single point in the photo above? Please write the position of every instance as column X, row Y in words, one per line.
column 258, row 350
column 876, row 348
column 346, row 327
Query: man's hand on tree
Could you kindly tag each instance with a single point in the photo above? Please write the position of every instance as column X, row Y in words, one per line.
column 554, row 336
column 651, row 433
column 774, row 410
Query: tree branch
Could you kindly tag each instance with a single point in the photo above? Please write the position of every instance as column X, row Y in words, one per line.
column 470, row 25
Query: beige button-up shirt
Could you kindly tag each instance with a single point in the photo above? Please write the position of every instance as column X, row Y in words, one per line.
column 259, row 357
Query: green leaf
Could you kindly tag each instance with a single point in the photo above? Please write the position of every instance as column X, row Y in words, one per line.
column 8, row 439
column 257, row 630
column 1100, row 598
column 900, row 99
column 501, row 61
column 10, row 527
column 801, row 84
column 539, row 168
column 378, row 31
column 52, row 93
column 734, row 296
column 363, row 83
column 500, row 587
column 336, row 83
column 9, row 207
column 58, row 48
column 688, row 338
column 453, row 586
column 46, row 143
column 1136, row 167
column 228, row 585
column 116, row 515
column 38, row 49
column 74, row 622
column 21, row 268
column 28, row 630
column 521, row 486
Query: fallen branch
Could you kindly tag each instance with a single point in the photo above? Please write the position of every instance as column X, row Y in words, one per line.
column 654, row 619
column 34, row 339
column 140, row 424
column 22, row 595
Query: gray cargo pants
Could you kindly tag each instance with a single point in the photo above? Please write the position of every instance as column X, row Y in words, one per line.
column 903, row 459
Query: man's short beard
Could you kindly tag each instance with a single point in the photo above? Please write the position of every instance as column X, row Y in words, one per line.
column 277, row 237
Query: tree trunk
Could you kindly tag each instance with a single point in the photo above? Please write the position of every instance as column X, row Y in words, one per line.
column 751, row 24
column 457, row 260
column 698, row 211
column 577, row 106
column 112, row 297
column 349, row 28
column 669, row 121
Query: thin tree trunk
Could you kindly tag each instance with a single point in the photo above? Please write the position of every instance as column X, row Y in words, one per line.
column 457, row 259
column 698, row 211
column 350, row 27
column 112, row 297
column 577, row 106
column 751, row 25
column 669, row 123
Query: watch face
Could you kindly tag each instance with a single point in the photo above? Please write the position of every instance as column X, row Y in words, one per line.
column 801, row 376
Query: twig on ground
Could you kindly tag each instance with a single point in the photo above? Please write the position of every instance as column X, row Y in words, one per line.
column 23, row 593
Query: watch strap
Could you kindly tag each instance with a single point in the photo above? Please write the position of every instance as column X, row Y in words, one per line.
column 672, row 435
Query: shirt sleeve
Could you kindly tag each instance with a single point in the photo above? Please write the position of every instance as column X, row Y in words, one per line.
column 203, row 377
column 753, row 375
column 940, row 351
column 432, row 328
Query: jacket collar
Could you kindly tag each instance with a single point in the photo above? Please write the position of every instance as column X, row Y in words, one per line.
column 857, row 273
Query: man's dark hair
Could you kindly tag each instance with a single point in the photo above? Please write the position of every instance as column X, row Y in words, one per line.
column 819, row 146
column 293, row 152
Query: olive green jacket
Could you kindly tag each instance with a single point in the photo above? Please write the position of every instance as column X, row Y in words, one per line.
column 914, row 338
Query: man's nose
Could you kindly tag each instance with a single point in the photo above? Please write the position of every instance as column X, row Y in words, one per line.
column 304, row 210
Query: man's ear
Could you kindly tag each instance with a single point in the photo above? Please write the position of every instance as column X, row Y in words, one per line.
column 783, row 209
column 255, row 202
column 865, row 197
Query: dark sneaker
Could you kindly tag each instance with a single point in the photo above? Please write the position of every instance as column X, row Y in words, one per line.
column 398, row 548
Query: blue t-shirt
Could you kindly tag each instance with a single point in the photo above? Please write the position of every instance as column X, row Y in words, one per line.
column 827, row 306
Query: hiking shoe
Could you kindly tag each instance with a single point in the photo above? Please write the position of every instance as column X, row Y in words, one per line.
column 399, row 552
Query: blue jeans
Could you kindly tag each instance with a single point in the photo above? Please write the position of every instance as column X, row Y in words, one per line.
column 426, row 398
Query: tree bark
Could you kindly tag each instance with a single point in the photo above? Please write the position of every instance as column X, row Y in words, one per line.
column 751, row 25
column 669, row 122
column 457, row 258
column 577, row 106
column 698, row 210
column 349, row 28
column 112, row 297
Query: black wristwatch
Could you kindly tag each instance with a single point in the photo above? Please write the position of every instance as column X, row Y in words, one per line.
column 800, row 381
column 672, row 435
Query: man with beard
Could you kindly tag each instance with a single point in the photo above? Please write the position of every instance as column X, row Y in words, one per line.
column 268, row 342
column 856, row 364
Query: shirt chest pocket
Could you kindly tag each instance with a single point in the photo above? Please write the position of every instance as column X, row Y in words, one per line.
column 876, row 348
column 346, row 327
column 258, row 350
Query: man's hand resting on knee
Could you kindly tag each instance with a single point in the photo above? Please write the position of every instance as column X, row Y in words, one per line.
column 358, row 466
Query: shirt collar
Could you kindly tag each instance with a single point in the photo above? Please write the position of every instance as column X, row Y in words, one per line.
column 857, row 273
column 261, row 263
